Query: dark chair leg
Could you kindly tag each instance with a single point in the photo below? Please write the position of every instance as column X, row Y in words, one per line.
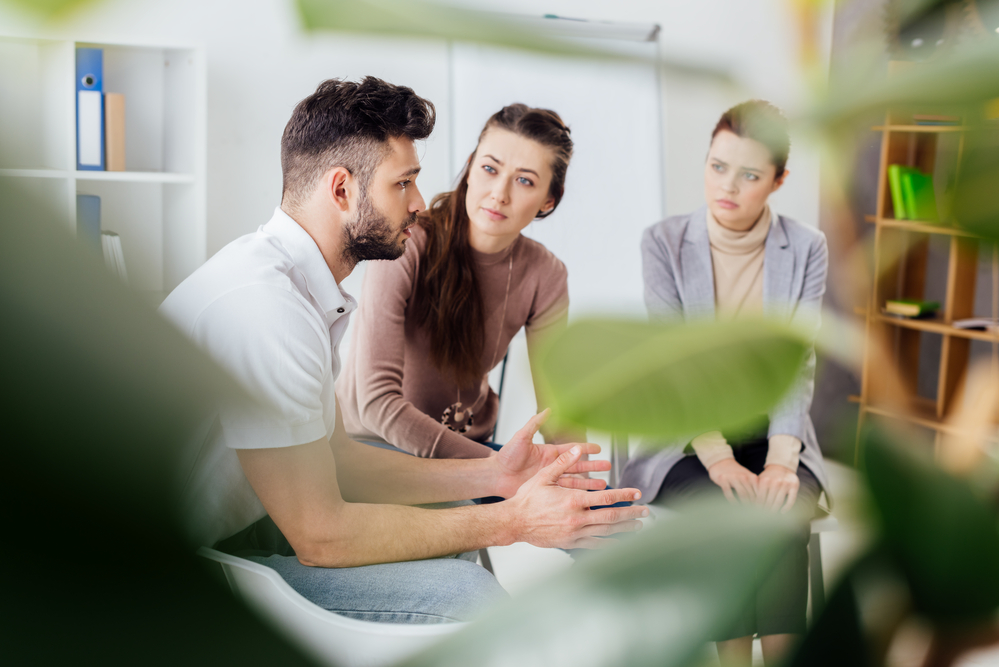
column 815, row 575
column 486, row 562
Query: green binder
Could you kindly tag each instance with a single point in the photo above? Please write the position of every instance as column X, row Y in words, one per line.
column 919, row 197
column 898, row 203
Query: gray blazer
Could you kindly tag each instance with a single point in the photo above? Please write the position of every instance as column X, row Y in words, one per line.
column 679, row 284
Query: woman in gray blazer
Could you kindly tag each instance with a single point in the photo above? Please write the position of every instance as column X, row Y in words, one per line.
column 734, row 258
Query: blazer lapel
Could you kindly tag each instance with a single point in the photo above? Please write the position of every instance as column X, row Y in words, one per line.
column 778, row 270
column 695, row 265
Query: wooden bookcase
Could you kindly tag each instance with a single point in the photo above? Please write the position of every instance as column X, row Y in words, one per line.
column 931, row 355
column 158, row 205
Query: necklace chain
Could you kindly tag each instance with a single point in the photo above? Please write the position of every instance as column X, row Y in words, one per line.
column 454, row 417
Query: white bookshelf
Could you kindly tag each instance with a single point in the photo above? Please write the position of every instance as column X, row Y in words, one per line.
column 157, row 206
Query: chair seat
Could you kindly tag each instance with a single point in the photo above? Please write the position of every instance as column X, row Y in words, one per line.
column 328, row 637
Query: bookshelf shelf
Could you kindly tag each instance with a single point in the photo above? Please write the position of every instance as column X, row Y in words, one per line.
column 921, row 260
column 938, row 327
column 918, row 226
column 932, row 129
column 134, row 176
column 157, row 206
column 35, row 173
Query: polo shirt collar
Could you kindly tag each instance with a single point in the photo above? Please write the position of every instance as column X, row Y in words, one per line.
column 309, row 260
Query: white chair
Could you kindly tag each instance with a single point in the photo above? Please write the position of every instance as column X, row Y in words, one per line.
column 327, row 637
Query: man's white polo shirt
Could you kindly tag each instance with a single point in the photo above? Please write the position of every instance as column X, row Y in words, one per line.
column 266, row 308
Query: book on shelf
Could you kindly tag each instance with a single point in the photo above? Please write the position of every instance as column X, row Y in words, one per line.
column 911, row 307
column 919, row 195
column 114, row 259
column 114, row 131
column 935, row 119
column 977, row 324
column 895, row 172
column 88, row 220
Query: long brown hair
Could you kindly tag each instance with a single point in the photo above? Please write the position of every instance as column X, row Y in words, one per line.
column 447, row 301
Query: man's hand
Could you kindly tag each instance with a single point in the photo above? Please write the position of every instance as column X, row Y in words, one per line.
column 777, row 486
column 520, row 459
column 546, row 514
column 732, row 477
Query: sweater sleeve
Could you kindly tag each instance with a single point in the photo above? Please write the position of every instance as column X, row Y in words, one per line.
column 711, row 448
column 379, row 347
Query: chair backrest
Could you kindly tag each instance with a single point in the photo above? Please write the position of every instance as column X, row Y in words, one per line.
column 327, row 637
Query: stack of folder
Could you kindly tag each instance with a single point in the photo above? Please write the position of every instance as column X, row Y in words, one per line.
column 100, row 116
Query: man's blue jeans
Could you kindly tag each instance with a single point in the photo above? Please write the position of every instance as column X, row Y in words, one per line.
column 438, row 590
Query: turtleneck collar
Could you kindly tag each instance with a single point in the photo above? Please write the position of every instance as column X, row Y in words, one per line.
column 733, row 242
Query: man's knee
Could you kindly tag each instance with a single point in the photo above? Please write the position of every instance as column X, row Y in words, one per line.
column 463, row 590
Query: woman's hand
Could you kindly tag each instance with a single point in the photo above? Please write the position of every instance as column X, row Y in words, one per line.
column 777, row 486
column 731, row 476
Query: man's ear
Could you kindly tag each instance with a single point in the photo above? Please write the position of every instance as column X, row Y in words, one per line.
column 341, row 187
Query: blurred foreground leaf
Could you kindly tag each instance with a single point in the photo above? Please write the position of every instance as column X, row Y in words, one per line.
column 48, row 9
column 836, row 638
column 422, row 18
column 964, row 77
column 100, row 396
column 655, row 599
column 669, row 380
column 943, row 536
column 976, row 204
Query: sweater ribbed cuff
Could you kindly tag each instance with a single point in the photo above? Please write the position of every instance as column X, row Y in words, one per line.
column 711, row 447
column 784, row 450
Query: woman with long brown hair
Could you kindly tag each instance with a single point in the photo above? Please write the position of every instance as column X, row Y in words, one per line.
column 438, row 319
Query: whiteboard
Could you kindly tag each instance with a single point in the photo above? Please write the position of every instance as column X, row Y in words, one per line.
column 614, row 187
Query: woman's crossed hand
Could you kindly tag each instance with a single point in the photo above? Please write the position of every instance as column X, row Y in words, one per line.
column 734, row 480
column 776, row 488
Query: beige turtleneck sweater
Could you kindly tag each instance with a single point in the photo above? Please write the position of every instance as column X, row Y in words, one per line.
column 737, row 265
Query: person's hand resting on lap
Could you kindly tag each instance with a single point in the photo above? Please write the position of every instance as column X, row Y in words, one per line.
column 777, row 488
column 734, row 480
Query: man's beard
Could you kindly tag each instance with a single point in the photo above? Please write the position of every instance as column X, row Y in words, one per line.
column 370, row 236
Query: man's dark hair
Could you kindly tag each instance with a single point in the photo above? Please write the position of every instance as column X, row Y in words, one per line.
column 763, row 122
column 347, row 124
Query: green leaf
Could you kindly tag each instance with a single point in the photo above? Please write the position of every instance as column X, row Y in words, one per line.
column 50, row 9
column 976, row 207
column 964, row 77
column 655, row 599
column 837, row 637
column 669, row 380
column 420, row 18
column 942, row 534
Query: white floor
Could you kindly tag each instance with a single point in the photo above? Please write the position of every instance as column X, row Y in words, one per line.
column 520, row 566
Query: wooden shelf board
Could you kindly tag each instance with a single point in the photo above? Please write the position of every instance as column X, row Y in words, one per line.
column 938, row 327
column 920, row 128
column 134, row 176
column 921, row 412
column 35, row 173
column 918, row 226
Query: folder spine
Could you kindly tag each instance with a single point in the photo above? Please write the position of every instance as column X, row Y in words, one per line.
column 89, row 109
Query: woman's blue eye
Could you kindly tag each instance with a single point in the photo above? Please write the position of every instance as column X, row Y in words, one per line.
column 718, row 168
column 489, row 170
column 752, row 177
column 525, row 180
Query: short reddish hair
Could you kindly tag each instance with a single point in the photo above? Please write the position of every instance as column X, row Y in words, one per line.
column 763, row 122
